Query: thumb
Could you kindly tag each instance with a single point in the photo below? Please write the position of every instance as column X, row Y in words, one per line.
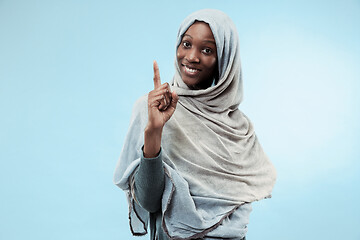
column 174, row 101
column 171, row 109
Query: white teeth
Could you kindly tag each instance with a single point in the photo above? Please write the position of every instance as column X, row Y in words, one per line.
column 190, row 69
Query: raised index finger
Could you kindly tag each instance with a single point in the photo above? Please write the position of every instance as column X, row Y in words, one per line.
column 157, row 81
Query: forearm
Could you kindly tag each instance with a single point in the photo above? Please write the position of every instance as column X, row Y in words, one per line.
column 149, row 183
column 152, row 141
column 149, row 180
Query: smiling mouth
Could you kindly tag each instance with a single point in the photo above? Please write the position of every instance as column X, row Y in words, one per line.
column 190, row 70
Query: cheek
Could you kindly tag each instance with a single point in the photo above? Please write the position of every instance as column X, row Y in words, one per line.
column 179, row 54
column 212, row 63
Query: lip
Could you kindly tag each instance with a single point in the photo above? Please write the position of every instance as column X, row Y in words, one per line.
column 190, row 70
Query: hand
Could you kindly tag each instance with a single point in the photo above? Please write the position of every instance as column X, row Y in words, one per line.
column 165, row 102
column 161, row 102
column 161, row 106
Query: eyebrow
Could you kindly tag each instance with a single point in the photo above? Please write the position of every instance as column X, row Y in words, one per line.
column 208, row 41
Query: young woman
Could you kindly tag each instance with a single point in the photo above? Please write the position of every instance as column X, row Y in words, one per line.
column 191, row 164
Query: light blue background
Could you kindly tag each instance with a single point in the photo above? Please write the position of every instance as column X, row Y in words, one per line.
column 70, row 72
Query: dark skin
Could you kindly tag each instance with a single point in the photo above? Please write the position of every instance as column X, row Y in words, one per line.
column 160, row 111
column 197, row 56
column 197, row 60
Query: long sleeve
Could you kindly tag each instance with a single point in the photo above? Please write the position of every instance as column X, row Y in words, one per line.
column 149, row 183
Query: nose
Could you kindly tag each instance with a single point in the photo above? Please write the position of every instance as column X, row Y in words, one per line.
column 192, row 56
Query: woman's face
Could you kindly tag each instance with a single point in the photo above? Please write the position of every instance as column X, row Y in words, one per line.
column 197, row 56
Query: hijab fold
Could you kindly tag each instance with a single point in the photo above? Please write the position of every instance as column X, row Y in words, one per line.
column 213, row 161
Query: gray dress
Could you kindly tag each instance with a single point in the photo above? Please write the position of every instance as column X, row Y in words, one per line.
column 149, row 182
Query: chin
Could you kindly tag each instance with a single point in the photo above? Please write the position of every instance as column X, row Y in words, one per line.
column 191, row 83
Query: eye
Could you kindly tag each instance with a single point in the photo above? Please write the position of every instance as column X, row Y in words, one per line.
column 207, row 51
column 186, row 44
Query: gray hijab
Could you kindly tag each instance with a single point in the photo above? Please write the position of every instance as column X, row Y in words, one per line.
column 213, row 160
